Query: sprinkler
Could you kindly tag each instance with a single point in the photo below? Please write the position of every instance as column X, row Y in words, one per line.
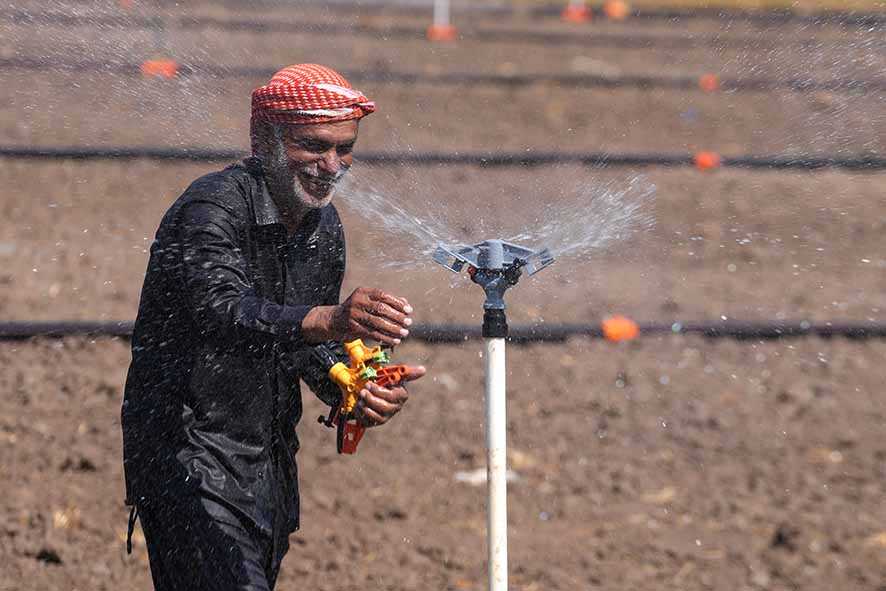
column 495, row 266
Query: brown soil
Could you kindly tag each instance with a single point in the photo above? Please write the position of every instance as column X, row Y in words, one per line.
column 672, row 463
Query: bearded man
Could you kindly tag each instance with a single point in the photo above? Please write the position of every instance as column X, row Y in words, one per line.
column 242, row 286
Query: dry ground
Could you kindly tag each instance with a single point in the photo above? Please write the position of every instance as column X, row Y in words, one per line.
column 674, row 463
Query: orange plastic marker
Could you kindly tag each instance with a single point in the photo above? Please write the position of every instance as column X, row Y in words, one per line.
column 442, row 33
column 576, row 12
column 707, row 160
column 160, row 68
column 616, row 10
column 620, row 328
column 709, row 83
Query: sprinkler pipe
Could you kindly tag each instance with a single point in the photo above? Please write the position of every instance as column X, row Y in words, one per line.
column 441, row 13
column 495, row 266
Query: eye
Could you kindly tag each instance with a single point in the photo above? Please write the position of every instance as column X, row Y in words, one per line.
column 314, row 146
column 345, row 149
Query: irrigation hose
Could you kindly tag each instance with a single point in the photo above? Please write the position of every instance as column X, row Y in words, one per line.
column 801, row 85
column 862, row 162
column 554, row 8
column 588, row 38
column 518, row 334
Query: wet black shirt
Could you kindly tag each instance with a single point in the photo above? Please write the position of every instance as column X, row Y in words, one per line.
column 212, row 395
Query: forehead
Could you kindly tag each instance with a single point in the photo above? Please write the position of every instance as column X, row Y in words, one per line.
column 335, row 132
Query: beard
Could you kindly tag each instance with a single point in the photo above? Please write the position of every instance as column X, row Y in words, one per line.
column 300, row 188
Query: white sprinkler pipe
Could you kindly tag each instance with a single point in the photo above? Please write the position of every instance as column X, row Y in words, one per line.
column 496, row 464
column 441, row 13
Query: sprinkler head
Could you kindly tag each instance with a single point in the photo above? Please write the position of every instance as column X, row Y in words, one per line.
column 494, row 265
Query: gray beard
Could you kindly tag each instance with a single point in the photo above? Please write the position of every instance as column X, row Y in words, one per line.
column 286, row 188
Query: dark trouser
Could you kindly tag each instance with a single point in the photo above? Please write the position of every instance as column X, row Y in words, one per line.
column 195, row 544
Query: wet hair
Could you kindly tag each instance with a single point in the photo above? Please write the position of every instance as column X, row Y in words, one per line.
column 266, row 138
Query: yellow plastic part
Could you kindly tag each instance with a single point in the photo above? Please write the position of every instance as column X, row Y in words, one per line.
column 350, row 379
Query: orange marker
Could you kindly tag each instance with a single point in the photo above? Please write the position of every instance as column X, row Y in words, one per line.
column 616, row 10
column 576, row 12
column 620, row 328
column 442, row 33
column 707, row 160
column 709, row 83
column 160, row 68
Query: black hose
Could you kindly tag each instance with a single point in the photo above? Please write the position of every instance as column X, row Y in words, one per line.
column 537, row 333
column 555, row 7
column 586, row 37
column 862, row 162
column 845, row 18
column 469, row 78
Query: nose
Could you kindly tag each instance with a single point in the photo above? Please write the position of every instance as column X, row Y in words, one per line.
column 330, row 162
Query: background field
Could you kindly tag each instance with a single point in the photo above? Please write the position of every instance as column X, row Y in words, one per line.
column 668, row 463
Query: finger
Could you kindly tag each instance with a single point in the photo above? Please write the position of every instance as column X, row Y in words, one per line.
column 370, row 418
column 414, row 373
column 396, row 395
column 361, row 331
column 400, row 304
column 383, row 310
column 360, row 410
column 379, row 405
column 380, row 324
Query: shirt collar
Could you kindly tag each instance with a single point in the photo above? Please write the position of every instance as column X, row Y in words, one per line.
column 266, row 212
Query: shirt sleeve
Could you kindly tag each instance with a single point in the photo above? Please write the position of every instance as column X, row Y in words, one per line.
column 216, row 281
column 313, row 361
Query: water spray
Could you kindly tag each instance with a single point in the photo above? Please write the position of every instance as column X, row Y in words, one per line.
column 495, row 266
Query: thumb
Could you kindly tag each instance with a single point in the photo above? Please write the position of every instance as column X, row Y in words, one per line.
column 414, row 373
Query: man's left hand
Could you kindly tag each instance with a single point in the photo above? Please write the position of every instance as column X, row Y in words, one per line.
column 376, row 405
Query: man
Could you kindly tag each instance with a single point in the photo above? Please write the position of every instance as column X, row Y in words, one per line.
column 242, row 284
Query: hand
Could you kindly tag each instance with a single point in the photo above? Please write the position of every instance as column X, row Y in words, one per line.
column 371, row 314
column 376, row 405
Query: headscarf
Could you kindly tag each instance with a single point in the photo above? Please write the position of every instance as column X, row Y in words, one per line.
column 308, row 93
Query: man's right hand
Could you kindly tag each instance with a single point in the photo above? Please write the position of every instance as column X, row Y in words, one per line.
column 366, row 314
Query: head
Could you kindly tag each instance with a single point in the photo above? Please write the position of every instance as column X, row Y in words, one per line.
column 303, row 163
column 304, row 125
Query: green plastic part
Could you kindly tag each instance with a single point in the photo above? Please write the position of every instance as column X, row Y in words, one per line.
column 368, row 374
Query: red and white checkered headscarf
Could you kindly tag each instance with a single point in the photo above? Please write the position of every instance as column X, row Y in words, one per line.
column 308, row 93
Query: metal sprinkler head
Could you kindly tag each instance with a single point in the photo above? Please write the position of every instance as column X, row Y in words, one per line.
column 494, row 265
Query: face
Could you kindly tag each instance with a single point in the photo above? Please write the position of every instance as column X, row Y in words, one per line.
column 308, row 160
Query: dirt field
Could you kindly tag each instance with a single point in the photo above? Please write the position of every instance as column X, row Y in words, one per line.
column 671, row 463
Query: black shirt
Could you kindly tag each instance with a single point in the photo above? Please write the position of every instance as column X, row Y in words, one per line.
column 212, row 395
